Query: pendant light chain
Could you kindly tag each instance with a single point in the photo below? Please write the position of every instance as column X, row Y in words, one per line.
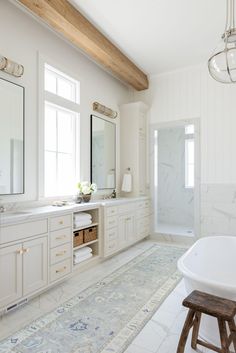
column 227, row 17
column 233, row 14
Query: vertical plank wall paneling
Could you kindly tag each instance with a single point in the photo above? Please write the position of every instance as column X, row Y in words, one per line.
column 190, row 93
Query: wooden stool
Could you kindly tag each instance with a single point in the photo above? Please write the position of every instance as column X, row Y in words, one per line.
column 223, row 310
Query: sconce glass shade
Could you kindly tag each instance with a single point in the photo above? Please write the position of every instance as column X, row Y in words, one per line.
column 222, row 65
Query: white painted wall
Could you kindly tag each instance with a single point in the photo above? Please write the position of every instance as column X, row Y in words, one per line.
column 192, row 93
column 22, row 40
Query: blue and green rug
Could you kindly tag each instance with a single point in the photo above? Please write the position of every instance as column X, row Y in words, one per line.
column 107, row 316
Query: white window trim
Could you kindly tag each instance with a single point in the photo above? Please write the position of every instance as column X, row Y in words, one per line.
column 189, row 137
column 54, row 99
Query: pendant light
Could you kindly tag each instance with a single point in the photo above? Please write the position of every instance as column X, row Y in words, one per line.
column 222, row 64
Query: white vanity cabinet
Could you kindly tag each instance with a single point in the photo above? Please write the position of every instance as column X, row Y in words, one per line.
column 23, row 269
column 32, row 256
column 10, row 274
column 126, row 229
column 125, row 224
column 60, row 236
column 134, row 145
column 35, row 264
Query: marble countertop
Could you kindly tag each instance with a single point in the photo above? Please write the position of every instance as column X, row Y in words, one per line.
column 18, row 215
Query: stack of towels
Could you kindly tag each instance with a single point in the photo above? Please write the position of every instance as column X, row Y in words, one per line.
column 82, row 219
column 83, row 254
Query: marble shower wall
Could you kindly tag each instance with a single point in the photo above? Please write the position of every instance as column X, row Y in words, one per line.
column 218, row 209
column 175, row 202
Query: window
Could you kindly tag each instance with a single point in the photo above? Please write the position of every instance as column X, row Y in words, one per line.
column 189, row 156
column 189, row 129
column 60, row 132
column 60, row 84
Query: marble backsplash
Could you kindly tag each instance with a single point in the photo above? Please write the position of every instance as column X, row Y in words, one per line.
column 218, row 209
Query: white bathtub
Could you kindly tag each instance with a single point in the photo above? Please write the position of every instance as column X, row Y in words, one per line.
column 210, row 266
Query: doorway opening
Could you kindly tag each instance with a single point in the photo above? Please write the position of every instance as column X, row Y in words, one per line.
column 176, row 178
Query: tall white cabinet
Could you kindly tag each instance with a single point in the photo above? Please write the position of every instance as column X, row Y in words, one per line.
column 134, row 145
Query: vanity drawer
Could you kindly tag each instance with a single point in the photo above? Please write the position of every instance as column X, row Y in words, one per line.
column 60, row 253
column 23, row 230
column 127, row 207
column 111, row 211
column 60, row 270
column 143, row 212
column 111, row 234
column 60, row 237
column 111, row 222
column 143, row 204
column 60, row 222
column 111, row 247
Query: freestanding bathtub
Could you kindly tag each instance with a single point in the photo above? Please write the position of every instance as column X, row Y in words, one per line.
column 210, row 266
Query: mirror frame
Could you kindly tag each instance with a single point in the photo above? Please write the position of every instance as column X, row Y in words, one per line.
column 23, row 112
column 91, row 150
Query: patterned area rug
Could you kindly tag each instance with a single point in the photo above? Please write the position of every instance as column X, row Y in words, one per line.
column 107, row 316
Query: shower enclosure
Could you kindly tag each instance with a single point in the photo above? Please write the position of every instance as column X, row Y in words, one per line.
column 175, row 182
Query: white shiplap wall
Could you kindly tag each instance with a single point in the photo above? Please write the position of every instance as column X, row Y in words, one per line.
column 191, row 93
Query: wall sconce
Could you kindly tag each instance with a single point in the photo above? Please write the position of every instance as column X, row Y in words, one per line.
column 11, row 67
column 102, row 109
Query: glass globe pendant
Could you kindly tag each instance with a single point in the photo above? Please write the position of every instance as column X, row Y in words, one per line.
column 222, row 64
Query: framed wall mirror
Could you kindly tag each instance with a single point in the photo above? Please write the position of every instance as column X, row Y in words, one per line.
column 103, row 153
column 11, row 138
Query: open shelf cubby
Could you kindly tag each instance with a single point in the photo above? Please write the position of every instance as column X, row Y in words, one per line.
column 93, row 244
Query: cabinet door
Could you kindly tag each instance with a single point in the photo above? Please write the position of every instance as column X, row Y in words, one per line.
column 126, row 230
column 142, row 165
column 10, row 274
column 35, row 265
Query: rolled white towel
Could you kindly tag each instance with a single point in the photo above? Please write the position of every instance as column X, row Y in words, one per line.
column 82, row 215
column 83, row 258
column 81, row 252
column 79, row 224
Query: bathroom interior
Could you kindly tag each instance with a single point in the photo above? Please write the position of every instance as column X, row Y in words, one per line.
column 117, row 176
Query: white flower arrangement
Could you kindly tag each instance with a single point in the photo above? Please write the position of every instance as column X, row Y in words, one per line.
column 86, row 188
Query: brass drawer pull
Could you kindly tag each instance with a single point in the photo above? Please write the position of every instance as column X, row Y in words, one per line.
column 61, row 237
column 25, row 251
column 61, row 253
column 61, row 270
column 61, row 222
column 19, row 251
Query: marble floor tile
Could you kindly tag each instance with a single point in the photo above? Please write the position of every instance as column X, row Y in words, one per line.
column 151, row 336
column 133, row 348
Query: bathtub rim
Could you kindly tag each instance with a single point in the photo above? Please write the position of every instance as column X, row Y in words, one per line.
column 189, row 275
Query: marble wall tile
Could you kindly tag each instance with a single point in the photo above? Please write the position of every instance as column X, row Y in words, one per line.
column 175, row 202
column 218, row 209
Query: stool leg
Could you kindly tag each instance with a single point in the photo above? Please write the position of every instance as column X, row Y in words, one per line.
column 196, row 326
column 232, row 328
column 184, row 335
column 223, row 336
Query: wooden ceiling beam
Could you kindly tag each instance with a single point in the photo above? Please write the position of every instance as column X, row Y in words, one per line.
column 68, row 21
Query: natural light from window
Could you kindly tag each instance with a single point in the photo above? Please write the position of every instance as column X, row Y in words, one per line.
column 60, row 134
column 189, row 156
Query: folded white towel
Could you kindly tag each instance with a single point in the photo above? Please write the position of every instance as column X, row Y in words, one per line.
column 80, row 224
column 81, row 259
column 81, row 252
column 82, row 215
